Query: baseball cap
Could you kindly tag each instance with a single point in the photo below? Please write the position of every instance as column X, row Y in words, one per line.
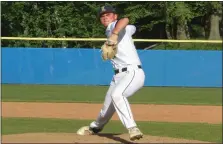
column 106, row 9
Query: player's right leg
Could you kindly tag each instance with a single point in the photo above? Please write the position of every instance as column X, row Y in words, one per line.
column 105, row 113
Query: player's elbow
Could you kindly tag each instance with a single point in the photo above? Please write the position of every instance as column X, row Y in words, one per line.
column 126, row 20
column 131, row 29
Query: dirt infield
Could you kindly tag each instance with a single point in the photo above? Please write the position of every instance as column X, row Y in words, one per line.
column 165, row 113
column 73, row 138
column 142, row 112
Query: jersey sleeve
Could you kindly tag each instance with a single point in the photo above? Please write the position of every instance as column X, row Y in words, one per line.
column 113, row 25
column 130, row 29
column 110, row 28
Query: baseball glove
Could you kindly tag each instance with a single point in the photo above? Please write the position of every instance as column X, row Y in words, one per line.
column 109, row 50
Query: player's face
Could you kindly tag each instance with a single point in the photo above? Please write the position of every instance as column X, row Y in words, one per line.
column 107, row 18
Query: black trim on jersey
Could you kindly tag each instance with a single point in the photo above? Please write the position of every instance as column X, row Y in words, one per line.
column 129, row 83
column 127, row 107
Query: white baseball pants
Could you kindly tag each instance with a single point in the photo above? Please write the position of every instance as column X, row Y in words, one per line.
column 123, row 85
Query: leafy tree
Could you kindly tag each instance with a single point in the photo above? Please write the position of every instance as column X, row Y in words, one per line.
column 78, row 19
column 214, row 12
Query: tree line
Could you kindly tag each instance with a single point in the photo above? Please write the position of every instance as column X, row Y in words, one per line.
column 79, row 19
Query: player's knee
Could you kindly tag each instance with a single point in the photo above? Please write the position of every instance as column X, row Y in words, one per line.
column 115, row 95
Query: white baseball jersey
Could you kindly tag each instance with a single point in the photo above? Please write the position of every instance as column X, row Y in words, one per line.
column 126, row 53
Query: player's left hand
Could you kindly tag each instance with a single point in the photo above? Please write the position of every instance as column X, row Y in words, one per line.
column 108, row 51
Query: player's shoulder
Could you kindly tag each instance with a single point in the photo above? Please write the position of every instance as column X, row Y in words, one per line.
column 111, row 25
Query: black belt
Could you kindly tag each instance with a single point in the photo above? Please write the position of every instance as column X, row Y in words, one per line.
column 125, row 69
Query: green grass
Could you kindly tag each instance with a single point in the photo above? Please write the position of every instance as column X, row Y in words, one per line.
column 96, row 94
column 195, row 131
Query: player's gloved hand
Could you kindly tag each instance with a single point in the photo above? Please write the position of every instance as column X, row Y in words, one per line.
column 108, row 51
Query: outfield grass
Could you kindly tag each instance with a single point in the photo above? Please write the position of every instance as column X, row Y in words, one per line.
column 95, row 94
column 194, row 131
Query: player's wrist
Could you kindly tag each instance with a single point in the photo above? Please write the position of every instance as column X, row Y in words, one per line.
column 115, row 33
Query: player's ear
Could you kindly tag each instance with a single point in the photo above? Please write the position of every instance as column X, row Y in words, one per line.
column 116, row 16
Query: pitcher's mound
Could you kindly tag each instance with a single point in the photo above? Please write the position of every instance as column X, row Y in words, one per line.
column 74, row 138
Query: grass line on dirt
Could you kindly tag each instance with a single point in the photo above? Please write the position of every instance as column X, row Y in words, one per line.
column 96, row 94
column 193, row 131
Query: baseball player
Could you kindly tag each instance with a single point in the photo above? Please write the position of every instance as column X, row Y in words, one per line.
column 128, row 76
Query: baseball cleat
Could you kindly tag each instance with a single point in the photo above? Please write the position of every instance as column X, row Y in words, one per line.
column 135, row 134
column 95, row 130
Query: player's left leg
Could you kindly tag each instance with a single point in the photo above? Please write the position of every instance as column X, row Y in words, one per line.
column 128, row 84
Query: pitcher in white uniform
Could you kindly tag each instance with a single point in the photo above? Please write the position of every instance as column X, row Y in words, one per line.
column 128, row 76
